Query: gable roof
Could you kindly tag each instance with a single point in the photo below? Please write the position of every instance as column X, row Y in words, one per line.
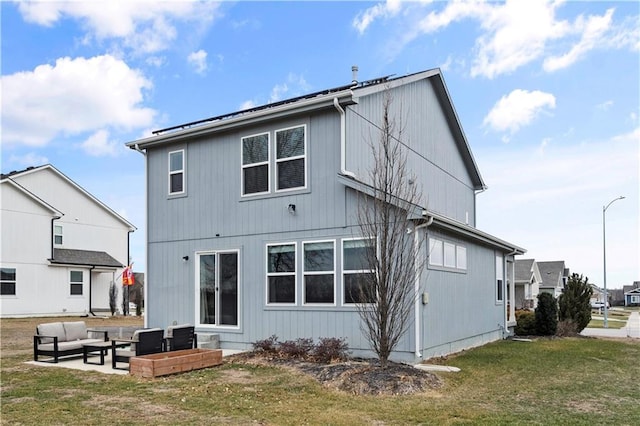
column 84, row 258
column 8, row 181
column 345, row 95
column 523, row 270
column 551, row 273
column 14, row 174
column 634, row 291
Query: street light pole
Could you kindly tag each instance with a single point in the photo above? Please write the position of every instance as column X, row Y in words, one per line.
column 604, row 258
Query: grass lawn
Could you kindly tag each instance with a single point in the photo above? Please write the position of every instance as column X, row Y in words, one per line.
column 599, row 323
column 547, row 381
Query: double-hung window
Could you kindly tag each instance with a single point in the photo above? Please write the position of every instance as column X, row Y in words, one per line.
column 291, row 158
column 8, row 281
column 57, row 235
column 76, row 282
column 358, row 271
column 176, row 172
column 255, row 164
column 319, row 272
column 281, row 273
column 499, row 278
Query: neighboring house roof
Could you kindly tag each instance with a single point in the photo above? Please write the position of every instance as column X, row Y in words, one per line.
column 14, row 174
column 345, row 95
column 84, row 257
column 8, row 181
column 524, row 270
column 634, row 291
column 551, row 273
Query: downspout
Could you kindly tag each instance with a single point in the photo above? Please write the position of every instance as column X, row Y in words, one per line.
column 416, row 244
column 343, row 140
column 146, row 237
column 90, row 285
column 53, row 237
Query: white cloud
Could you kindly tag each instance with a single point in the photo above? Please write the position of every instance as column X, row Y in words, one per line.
column 362, row 21
column 295, row 85
column 247, row 105
column 592, row 31
column 517, row 109
column 99, row 145
column 199, row 61
column 143, row 26
column 72, row 97
column 27, row 160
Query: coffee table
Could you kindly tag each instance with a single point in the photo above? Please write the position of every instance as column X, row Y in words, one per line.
column 101, row 347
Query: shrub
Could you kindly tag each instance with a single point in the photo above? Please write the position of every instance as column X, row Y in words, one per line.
column 299, row 348
column 546, row 315
column 575, row 302
column 269, row 344
column 331, row 348
column 526, row 323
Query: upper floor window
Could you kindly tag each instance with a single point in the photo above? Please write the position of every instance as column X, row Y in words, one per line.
column 176, row 172
column 8, row 281
column 358, row 270
column 57, row 234
column 281, row 273
column 319, row 272
column 290, row 158
column 255, row 164
column 76, row 282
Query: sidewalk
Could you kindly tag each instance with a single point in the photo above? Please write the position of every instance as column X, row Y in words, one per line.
column 631, row 329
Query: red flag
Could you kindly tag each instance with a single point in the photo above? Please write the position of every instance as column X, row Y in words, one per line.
column 127, row 276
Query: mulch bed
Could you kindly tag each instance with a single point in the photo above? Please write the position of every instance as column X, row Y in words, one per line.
column 358, row 376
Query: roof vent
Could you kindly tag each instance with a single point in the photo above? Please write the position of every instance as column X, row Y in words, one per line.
column 354, row 73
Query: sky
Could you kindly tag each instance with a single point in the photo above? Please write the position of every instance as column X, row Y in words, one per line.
column 547, row 93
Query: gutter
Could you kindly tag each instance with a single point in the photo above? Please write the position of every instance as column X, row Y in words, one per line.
column 416, row 241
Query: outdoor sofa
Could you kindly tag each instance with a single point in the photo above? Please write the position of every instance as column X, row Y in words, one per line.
column 58, row 339
column 143, row 342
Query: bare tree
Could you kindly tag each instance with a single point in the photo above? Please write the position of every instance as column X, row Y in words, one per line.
column 385, row 298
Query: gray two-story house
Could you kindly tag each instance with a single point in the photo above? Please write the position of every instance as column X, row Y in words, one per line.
column 252, row 229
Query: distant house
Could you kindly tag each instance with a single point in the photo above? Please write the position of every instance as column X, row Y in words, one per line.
column 527, row 283
column 252, row 229
column 632, row 294
column 597, row 295
column 61, row 246
column 554, row 277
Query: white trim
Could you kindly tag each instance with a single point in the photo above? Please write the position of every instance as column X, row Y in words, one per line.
column 281, row 274
column 14, row 281
column 61, row 235
column 217, row 254
column 353, row 271
column 251, row 165
column 499, row 269
column 173, row 172
column 305, row 273
column 297, row 157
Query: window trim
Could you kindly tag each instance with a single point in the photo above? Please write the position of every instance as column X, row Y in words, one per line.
column 73, row 284
column 499, row 281
column 262, row 163
column 56, row 234
column 305, row 273
column 353, row 271
column 281, row 274
column 173, row 172
column 442, row 264
column 14, row 282
column 217, row 253
column 296, row 157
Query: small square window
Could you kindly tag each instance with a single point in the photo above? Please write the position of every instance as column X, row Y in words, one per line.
column 76, row 283
column 7, row 281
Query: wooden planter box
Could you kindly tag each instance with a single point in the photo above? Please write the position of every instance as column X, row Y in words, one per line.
column 164, row 363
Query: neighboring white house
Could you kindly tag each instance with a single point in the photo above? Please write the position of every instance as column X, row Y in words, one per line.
column 61, row 246
column 527, row 280
column 554, row 277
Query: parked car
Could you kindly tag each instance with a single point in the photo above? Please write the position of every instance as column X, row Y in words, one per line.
column 599, row 305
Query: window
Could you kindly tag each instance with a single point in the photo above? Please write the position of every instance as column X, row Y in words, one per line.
column 499, row 278
column 76, row 281
column 448, row 255
column 57, row 234
column 358, row 271
column 255, row 164
column 290, row 158
column 319, row 275
column 8, row 281
column 281, row 273
column 176, row 172
column 634, row 299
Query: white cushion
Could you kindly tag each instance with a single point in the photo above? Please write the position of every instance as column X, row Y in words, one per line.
column 75, row 330
column 51, row 329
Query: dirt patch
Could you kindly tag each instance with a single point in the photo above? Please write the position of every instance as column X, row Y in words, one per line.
column 358, row 377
